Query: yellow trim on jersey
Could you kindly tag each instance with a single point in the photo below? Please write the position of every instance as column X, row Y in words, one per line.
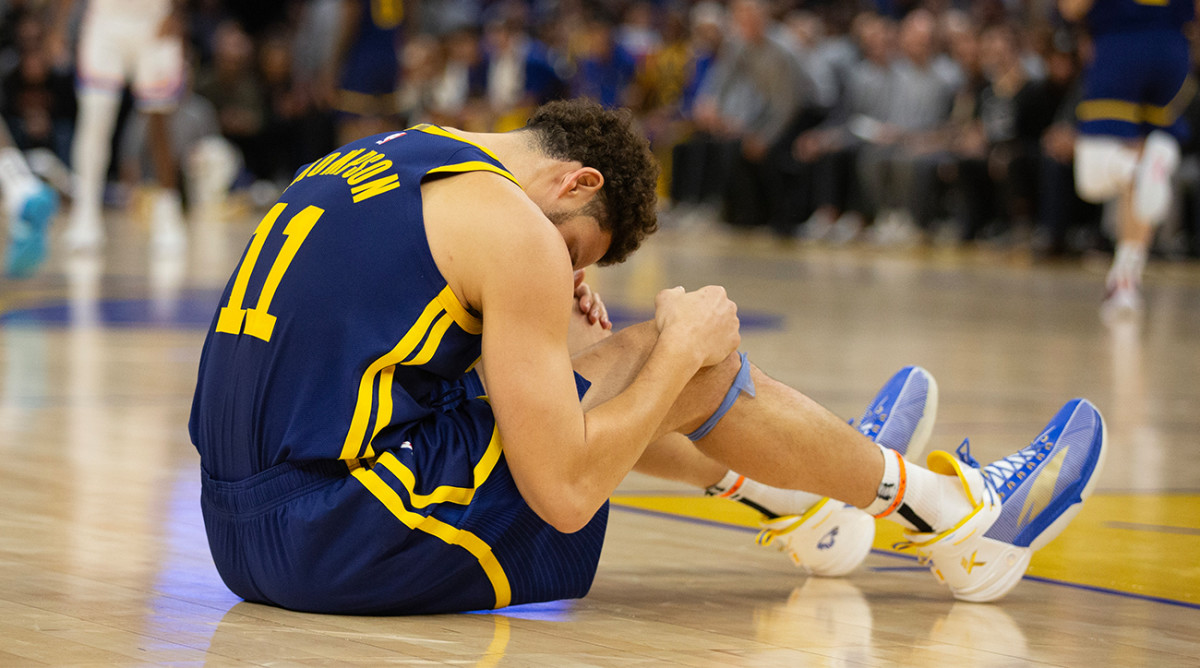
column 1132, row 112
column 445, row 493
column 435, row 527
column 462, row 317
column 431, row 342
column 431, row 327
column 384, row 415
column 443, row 132
column 362, row 408
column 474, row 166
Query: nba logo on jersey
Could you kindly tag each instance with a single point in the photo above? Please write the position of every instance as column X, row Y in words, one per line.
column 390, row 137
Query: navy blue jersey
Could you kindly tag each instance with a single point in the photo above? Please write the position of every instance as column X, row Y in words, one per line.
column 337, row 325
column 1109, row 16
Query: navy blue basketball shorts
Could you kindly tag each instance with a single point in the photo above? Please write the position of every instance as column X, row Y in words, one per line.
column 1136, row 83
column 434, row 523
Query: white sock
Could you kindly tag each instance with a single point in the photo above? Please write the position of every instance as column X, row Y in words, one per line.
column 16, row 181
column 918, row 499
column 770, row 501
column 90, row 152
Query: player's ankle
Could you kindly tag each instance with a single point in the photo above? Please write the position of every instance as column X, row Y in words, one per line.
column 768, row 500
column 918, row 499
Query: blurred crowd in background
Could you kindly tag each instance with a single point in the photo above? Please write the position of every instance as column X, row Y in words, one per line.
column 891, row 122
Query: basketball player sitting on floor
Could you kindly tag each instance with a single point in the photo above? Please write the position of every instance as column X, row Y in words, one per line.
column 394, row 414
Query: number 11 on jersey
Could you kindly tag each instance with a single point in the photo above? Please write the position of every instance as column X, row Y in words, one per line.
column 257, row 322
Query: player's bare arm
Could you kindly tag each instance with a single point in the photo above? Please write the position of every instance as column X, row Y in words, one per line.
column 517, row 270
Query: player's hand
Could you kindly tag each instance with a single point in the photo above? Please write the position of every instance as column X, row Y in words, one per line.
column 589, row 303
column 705, row 321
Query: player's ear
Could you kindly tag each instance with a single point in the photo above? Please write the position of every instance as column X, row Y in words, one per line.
column 585, row 181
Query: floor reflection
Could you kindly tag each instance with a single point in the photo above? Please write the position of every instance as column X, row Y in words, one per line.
column 826, row 613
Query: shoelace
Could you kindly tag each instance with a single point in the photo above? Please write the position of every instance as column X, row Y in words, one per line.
column 997, row 474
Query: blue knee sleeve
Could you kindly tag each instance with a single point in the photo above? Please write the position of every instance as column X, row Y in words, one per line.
column 741, row 383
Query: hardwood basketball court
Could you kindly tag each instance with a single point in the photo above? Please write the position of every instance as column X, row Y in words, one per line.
column 103, row 559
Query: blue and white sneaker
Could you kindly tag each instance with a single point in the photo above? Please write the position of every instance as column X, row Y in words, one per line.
column 901, row 416
column 27, row 240
column 832, row 538
column 1021, row 503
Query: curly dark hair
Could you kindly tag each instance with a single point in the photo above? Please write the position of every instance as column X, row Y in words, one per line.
column 606, row 140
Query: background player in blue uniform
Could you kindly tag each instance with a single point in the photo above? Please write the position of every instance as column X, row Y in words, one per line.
column 1135, row 91
column 393, row 415
column 365, row 67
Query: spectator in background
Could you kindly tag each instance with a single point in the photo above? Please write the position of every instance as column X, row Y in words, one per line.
column 747, row 104
column 289, row 118
column 520, row 73
column 638, row 35
column 231, row 84
column 918, row 109
column 38, row 99
column 604, row 70
column 832, row 148
column 657, row 95
column 962, row 139
column 422, row 62
column 1000, row 185
column 1060, row 210
column 460, row 90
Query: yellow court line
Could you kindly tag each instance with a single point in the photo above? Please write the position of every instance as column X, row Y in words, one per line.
column 1142, row 544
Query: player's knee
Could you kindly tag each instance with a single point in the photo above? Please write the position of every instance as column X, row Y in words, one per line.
column 1104, row 168
column 733, row 378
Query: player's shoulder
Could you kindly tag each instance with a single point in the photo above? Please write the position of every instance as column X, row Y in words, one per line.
column 487, row 207
column 482, row 227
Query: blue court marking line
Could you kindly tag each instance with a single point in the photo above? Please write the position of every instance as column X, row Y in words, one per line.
column 192, row 309
column 1157, row 528
column 885, row 553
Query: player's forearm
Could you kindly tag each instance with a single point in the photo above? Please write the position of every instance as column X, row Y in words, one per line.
column 617, row 432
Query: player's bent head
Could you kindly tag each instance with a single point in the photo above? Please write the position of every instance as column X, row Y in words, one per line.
column 606, row 140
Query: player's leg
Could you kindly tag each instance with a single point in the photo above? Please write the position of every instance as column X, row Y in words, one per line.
column 158, row 84
column 103, row 65
column 792, row 428
column 821, row 535
column 779, row 437
column 1105, row 169
column 29, row 204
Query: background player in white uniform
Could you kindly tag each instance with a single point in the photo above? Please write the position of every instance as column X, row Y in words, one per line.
column 125, row 41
